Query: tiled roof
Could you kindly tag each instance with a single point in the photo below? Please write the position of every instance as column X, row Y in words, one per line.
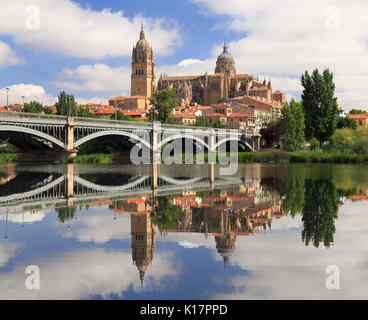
column 258, row 88
column 358, row 116
column 138, row 97
column 180, row 78
column 237, row 76
column 240, row 115
column 118, row 98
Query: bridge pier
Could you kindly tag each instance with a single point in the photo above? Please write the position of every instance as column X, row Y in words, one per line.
column 156, row 150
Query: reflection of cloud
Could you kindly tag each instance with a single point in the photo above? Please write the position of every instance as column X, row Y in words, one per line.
column 27, row 217
column 85, row 273
column 188, row 244
column 7, row 251
column 281, row 267
column 100, row 228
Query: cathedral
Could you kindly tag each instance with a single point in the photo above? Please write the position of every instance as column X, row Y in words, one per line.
column 205, row 89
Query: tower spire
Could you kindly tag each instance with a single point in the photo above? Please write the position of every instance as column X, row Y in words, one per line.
column 142, row 36
column 225, row 47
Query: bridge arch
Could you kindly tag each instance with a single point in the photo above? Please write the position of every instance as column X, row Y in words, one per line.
column 182, row 136
column 111, row 133
column 33, row 132
column 238, row 139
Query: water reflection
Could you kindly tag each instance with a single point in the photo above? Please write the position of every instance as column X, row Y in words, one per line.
column 172, row 202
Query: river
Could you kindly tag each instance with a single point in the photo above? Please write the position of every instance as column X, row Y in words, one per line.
column 291, row 231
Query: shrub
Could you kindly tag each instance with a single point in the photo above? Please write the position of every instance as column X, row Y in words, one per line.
column 315, row 145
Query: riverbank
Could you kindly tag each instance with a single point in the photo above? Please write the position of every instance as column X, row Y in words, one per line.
column 303, row 157
column 7, row 158
column 99, row 158
column 243, row 157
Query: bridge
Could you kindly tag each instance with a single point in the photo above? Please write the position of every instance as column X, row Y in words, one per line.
column 32, row 133
column 61, row 186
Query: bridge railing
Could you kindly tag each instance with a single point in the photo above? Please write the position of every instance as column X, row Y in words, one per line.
column 100, row 122
column 25, row 115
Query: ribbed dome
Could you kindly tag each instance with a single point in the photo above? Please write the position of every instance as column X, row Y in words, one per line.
column 142, row 42
column 225, row 55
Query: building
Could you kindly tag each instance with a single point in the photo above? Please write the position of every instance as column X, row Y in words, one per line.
column 360, row 119
column 224, row 84
column 143, row 78
column 131, row 103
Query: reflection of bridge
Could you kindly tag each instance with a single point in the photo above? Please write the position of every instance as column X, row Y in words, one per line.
column 70, row 187
column 30, row 132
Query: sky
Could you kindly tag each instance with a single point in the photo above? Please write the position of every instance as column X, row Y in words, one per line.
column 85, row 47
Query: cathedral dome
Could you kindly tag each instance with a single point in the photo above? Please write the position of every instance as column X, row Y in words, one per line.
column 142, row 42
column 225, row 55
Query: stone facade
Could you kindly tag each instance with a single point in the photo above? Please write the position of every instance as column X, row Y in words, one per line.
column 224, row 84
column 143, row 79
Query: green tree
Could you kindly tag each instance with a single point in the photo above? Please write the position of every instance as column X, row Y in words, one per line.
column 165, row 216
column 292, row 189
column 66, row 213
column 66, row 105
column 356, row 111
column 163, row 101
column 203, row 122
column 292, row 126
column 48, row 110
column 33, row 107
column 223, row 100
column 315, row 145
column 85, row 112
column 121, row 116
column 218, row 124
column 319, row 212
column 346, row 123
column 320, row 105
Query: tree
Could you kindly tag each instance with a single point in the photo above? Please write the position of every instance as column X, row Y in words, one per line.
column 66, row 105
column 165, row 216
column 346, row 123
column 356, row 111
column 271, row 134
column 85, row 112
column 320, row 105
column 292, row 126
column 203, row 122
column 319, row 212
column 224, row 100
column 218, row 124
column 48, row 110
column 121, row 116
column 292, row 189
column 163, row 101
column 33, row 107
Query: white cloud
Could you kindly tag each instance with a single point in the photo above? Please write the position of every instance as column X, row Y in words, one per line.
column 96, row 78
column 65, row 27
column 285, row 39
column 99, row 229
column 188, row 62
column 30, row 91
column 7, row 251
column 8, row 56
column 83, row 273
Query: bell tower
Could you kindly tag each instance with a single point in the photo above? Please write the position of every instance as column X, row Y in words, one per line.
column 143, row 80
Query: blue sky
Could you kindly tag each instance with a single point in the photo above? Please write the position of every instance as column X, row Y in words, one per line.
column 84, row 47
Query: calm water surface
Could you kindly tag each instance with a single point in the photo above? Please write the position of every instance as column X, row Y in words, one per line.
column 184, row 232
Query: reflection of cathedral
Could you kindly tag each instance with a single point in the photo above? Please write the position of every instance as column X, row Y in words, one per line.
column 227, row 214
column 143, row 241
